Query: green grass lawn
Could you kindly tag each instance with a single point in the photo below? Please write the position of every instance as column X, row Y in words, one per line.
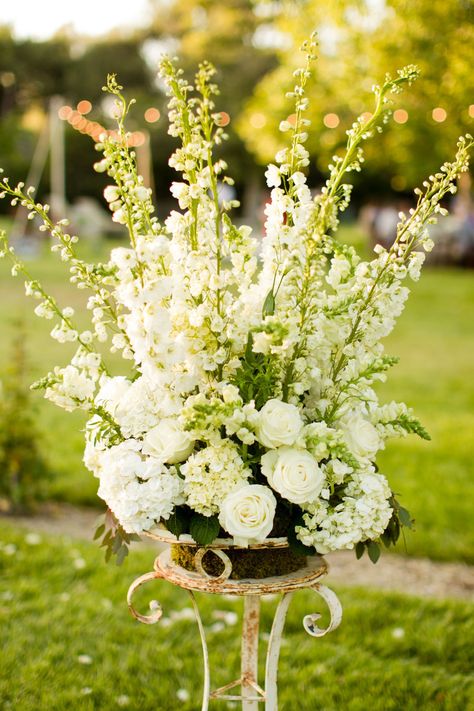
column 69, row 643
column 435, row 340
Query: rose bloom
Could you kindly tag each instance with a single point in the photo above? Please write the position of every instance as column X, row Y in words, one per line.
column 294, row 473
column 247, row 513
column 361, row 436
column 279, row 423
column 168, row 442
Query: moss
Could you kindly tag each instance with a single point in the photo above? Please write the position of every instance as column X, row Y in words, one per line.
column 246, row 563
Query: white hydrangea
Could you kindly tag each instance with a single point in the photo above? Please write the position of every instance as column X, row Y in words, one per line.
column 139, row 490
column 362, row 515
column 210, row 474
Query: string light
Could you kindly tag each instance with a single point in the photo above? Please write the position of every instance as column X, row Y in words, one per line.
column 64, row 112
column 84, row 107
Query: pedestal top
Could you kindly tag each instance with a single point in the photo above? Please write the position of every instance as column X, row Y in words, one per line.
column 166, row 569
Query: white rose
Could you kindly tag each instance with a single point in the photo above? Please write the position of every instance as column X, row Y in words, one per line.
column 278, row 424
column 294, row 473
column 247, row 513
column 361, row 436
column 168, row 442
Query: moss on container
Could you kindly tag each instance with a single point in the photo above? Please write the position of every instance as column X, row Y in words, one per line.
column 246, row 562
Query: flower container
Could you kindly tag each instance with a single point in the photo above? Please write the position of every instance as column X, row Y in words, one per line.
column 223, row 559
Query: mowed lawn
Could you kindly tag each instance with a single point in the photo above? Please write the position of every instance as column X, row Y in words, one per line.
column 435, row 341
column 69, row 643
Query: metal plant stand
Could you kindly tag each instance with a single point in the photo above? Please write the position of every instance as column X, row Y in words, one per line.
column 251, row 692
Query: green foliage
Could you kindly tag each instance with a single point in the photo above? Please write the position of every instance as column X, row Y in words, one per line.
column 204, row 529
column 178, row 522
column 256, row 379
column 114, row 538
column 24, row 472
column 411, row 425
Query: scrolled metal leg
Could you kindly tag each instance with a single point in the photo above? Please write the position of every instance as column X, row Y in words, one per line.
column 155, row 606
column 156, row 615
column 205, row 655
column 335, row 610
column 273, row 653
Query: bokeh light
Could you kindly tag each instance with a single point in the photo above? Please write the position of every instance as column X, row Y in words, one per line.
column 152, row 115
column 222, row 119
column 471, row 111
column 331, row 120
column 64, row 112
column 257, row 120
column 439, row 114
column 400, row 116
column 84, row 106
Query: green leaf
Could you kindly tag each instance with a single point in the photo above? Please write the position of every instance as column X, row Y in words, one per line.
column 268, row 308
column 122, row 553
column 405, row 517
column 359, row 550
column 99, row 531
column 204, row 529
column 117, row 543
column 178, row 522
column 374, row 551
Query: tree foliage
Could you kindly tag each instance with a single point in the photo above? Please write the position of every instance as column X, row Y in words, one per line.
column 359, row 42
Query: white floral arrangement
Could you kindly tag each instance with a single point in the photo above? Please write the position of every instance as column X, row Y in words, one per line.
column 247, row 405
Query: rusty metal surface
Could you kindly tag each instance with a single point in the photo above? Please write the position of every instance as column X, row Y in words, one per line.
column 249, row 652
column 251, row 693
column 161, row 534
column 166, row 569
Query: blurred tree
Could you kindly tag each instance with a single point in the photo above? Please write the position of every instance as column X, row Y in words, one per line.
column 30, row 73
column 359, row 42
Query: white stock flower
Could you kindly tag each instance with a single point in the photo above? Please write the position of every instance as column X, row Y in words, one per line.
column 247, row 513
column 361, row 436
column 294, row 473
column 279, row 423
column 111, row 392
column 168, row 442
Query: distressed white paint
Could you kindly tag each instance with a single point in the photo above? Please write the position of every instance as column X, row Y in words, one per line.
column 251, row 693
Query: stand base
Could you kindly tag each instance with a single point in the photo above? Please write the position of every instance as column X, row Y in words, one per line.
column 251, row 693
